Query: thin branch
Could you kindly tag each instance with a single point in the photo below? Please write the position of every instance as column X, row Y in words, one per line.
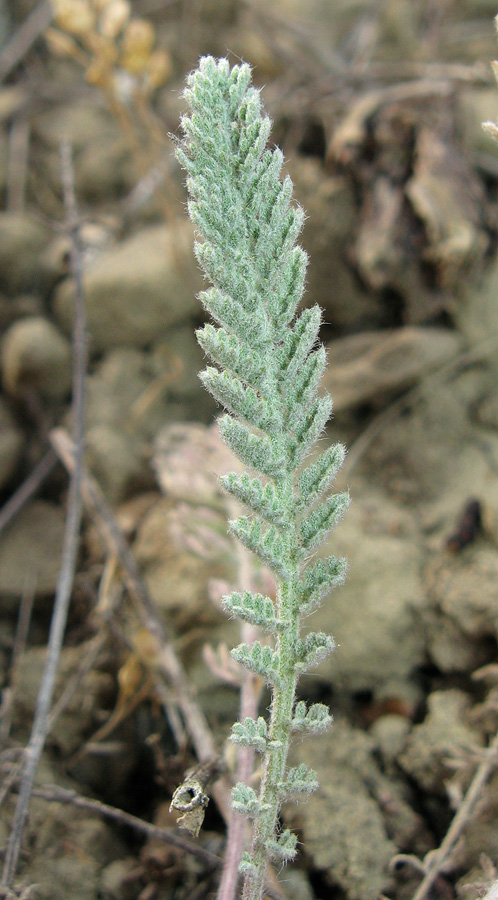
column 249, row 697
column 70, row 543
column 60, row 795
column 17, row 165
column 27, row 33
column 86, row 664
column 168, row 661
column 21, row 635
column 28, row 488
column 460, row 821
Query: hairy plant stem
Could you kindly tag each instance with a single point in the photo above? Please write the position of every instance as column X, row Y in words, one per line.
column 280, row 724
column 266, row 373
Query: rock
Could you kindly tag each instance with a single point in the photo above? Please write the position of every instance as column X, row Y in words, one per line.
column 390, row 733
column 448, row 198
column 36, row 356
column 134, row 292
column 82, row 715
column 429, row 452
column 126, row 407
column 4, row 161
column 341, row 823
column 180, row 548
column 83, row 123
column 104, row 170
column 188, row 460
column 30, row 548
column 22, row 241
column 180, row 359
column 11, row 444
column 375, row 615
column 330, row 208
column 68, row 849
column 475, row 106
column 431, row 744
column 117, row 462
column 461, row 618
column 480, row 834
column 476, row 313
column 118, row 881
column 19, row 307
column 103, row 166
column 366, row 367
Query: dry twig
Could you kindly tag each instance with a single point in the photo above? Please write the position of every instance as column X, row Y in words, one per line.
column 30, row 30
column 20, row 638
column 249, row 698
column 435, row 865
column 28, row 488
column 167, row 659
column 70, row 544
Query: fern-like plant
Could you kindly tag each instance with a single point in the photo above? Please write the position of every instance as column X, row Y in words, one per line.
column 267, row 369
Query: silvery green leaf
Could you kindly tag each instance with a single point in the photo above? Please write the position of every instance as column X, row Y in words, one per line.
column 255, row 609
column 283, row 849
column 318, row 580
column 314, row 719
column 269, row 544
column 299, row 780
column 318, row 476
column 315, row 527
column 251, row 733
column 261, row 660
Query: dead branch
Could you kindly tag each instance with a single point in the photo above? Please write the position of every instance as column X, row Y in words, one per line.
column 28, row 488
column 168, row 661
column 70, row 543
column 30, row 30
column 438, row 857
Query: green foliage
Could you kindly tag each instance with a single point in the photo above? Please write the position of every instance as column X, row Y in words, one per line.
column 254, row 609
column 300, row 780
column 283, row 848
column 261, row 660
column 265, row 369
column 316, row 719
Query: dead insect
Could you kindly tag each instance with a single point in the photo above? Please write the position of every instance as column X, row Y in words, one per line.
column 468, row 526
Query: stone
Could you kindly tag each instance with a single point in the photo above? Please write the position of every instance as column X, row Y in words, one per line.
column 103, row 165
column 117, row 462
column 375, row 616
column 135, row 291
column 330, row 219
column 37, row 357
column 125, row 409
column 30, row 548
column 22, row 241
column 461, row 617
column 118, row 881
column 341, row 824
column 68, row 849
column 476, row 312
column 475, row 106
column 180, row 548
column 367, row 367
column 444, row 731
column 11, row 445
column 82, row 715
column 448, row 198
column 180, row 359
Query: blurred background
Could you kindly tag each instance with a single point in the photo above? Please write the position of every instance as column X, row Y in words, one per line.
column 378, row 107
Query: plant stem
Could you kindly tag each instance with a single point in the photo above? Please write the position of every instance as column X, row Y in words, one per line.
column 284, row 690
column 70, row 544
